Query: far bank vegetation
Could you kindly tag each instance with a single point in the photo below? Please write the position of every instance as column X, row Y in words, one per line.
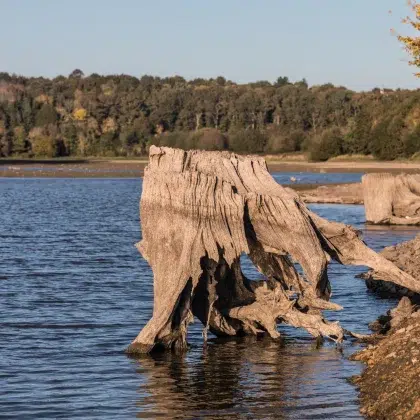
column 122, row 115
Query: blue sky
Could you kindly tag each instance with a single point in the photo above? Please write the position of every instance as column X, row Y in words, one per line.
column 346, row 42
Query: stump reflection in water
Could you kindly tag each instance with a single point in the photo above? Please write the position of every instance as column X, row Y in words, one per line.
column 247, row 378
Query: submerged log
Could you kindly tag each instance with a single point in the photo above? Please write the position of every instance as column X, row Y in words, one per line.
column 199, row 212
column 392, row 199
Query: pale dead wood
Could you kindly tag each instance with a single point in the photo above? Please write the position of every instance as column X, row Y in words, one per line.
column 406, row 256
column 392, row 199
column 199, row 212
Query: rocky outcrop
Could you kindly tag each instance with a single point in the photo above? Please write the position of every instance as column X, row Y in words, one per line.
column 389, row 386
column 199, row 212
column 333, row 194
column 392, row 199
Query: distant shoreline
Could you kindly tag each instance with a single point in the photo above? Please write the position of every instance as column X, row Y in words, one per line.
column 131, row 168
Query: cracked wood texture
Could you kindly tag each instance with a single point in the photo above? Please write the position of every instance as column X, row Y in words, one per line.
column 199, row 212
column 392, row 199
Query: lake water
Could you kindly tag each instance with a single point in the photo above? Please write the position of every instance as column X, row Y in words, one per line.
column 74, row 292
column 317, row 177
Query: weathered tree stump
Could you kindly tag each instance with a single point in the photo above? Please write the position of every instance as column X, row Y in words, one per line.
column 199, row 212
column 392, row 199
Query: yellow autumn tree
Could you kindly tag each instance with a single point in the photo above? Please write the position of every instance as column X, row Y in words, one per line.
column 44, row 146
column 79, row 114
column 412, row 43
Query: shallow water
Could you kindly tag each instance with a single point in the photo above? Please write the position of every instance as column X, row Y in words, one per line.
column 317, row 177
column 74, row 292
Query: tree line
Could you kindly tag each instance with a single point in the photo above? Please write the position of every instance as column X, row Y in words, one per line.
column 120, row 115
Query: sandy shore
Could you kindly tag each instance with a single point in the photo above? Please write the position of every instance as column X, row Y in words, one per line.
column 344, row 166
column 72, row 168
column 389, row 385
column 113, row 168
column 331, row 193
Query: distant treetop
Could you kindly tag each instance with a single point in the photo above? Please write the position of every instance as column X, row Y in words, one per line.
column 76, row 74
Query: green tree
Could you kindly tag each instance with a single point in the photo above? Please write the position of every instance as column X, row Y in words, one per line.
column 249, row 141
column 46, row 115
column 282, row 81
column 71, row 141
column 387, row 143
column 76, row 74
column 327, row 145
column 20, row 141
column 108, row 144
column 6, row 144
column 411, row 142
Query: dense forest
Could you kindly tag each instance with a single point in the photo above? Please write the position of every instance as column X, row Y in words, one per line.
column 122, row 115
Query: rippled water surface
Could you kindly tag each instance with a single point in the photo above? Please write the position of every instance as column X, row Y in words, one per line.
column 74, row 292
column 317, row 177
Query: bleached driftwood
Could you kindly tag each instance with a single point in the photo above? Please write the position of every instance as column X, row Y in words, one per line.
column 406, row 256
column 199, row 212
column 392, row 199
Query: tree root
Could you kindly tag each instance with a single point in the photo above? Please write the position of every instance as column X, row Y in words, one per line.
column 200, row 211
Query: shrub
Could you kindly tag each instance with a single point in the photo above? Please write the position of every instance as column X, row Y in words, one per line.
column 171, row 139
column 44, row 146
column 281, row 142
column 207, row 139
column 20, row 143
column 387, row 141
column 326, row 145
column 46, row 115
column 249, row 141
column 108, row 145
column 411, row 142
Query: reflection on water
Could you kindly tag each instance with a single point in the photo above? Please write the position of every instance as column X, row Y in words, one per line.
column 247, row 378
column 74, row 292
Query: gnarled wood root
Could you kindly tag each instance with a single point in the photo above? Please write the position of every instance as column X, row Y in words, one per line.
column 199, row 212
column 405, row 255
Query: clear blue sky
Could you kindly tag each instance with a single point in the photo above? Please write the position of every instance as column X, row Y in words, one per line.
column 346, row 42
